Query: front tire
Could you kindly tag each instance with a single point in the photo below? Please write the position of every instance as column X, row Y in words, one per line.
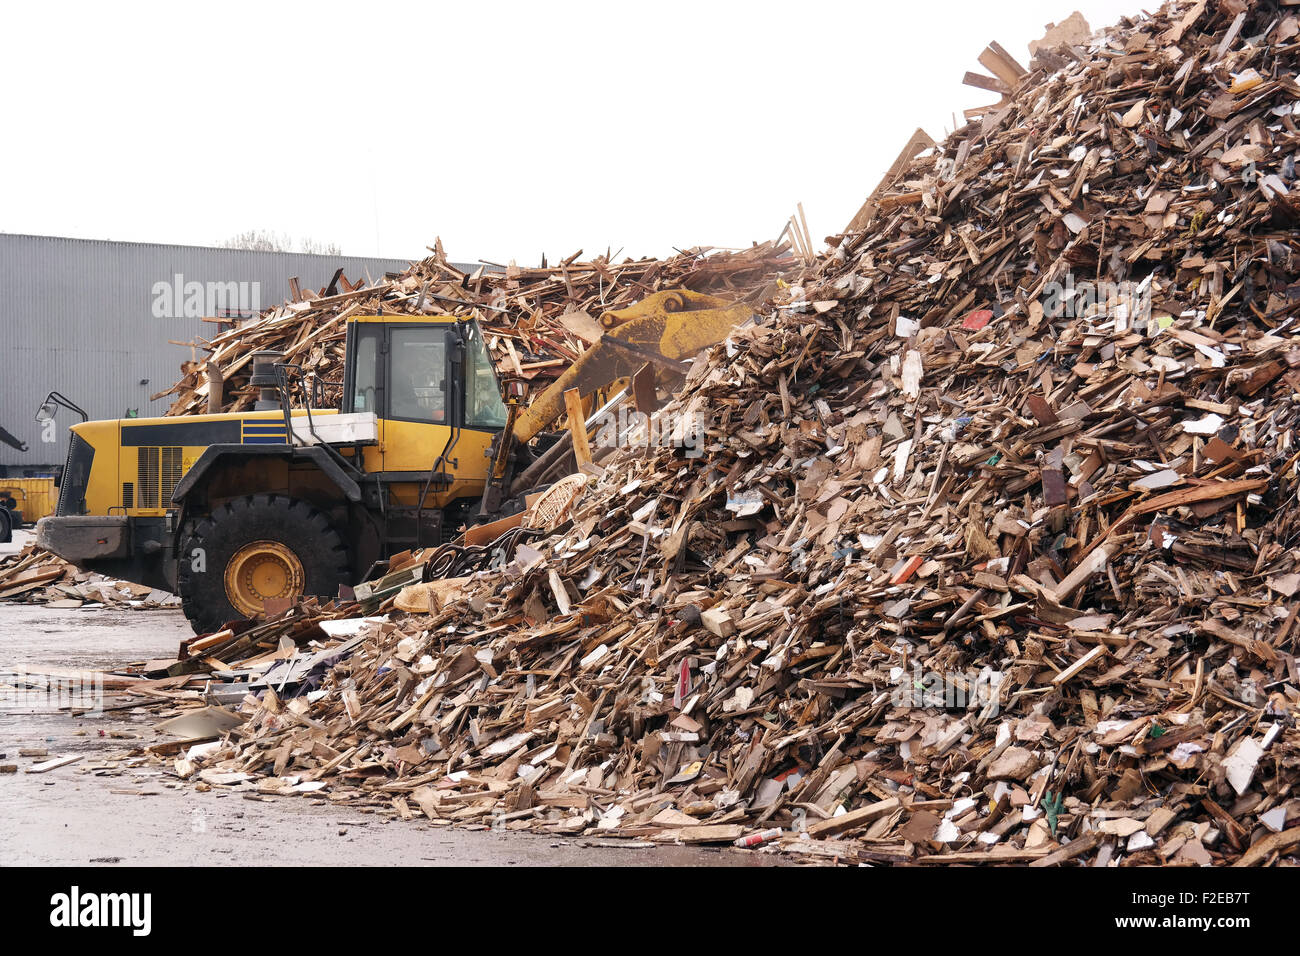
column 6, row 526
column 254, row 549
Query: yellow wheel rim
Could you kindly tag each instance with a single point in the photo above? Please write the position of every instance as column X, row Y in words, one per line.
column 262, row 571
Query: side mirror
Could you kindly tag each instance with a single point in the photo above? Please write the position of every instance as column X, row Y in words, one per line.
column 53, row 402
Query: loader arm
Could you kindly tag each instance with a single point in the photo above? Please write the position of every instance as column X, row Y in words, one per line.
column 661, row 329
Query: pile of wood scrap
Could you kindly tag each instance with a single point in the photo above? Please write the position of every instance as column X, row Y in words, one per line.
column 34, row 576
column 974, row 566
column 536, row 321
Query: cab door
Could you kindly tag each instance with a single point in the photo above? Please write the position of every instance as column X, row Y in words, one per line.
column 419, row 403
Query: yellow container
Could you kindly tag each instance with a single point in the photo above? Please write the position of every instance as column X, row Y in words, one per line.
column 36, row 497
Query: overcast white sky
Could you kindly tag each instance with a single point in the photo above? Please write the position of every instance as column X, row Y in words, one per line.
column 509, row 129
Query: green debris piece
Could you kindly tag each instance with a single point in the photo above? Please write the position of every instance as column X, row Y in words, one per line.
column 997, row 457
column 1156, row 731
column 1052, row 808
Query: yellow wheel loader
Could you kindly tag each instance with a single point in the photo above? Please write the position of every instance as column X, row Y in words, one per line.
column 241, row 514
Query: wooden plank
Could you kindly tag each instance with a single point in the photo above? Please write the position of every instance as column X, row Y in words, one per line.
column 919, row 142
column 1087, row 660
column 54, row 764
column 1001, row 65
column 982, row 82
column 854, row 818
column 577, row 426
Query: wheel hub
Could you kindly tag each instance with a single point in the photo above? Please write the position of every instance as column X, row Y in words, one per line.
column 262, row 571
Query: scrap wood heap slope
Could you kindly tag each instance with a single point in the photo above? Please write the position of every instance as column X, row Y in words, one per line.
column 972, row 567
column 536, row 321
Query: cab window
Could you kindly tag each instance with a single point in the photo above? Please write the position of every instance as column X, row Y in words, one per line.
column 365, row 385
column 418, row 363
column 483, row 405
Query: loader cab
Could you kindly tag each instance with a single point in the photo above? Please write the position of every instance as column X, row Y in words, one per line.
column 426, row 372
column 433, row 388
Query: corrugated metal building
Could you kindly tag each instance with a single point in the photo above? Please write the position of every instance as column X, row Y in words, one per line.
column 94, row 320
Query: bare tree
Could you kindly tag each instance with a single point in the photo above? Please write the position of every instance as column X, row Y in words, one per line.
column 264, row 240
column 318, row 248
